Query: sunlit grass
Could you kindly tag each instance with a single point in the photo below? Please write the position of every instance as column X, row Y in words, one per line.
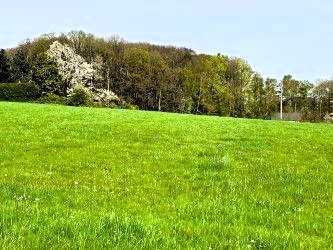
column 93, row 178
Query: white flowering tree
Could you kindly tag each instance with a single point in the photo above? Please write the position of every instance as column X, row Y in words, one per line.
column 72, row 67
column 77, row 72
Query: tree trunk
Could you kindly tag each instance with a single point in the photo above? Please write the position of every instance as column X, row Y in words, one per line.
column 159, row 100
column 108, row 80
column 199, row 95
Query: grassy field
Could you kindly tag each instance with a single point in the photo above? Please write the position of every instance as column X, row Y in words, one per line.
column 93, row 178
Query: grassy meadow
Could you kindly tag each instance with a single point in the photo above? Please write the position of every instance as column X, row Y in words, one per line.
column 110, row 178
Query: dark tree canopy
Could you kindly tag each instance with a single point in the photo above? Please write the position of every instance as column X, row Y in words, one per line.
column 4, row 67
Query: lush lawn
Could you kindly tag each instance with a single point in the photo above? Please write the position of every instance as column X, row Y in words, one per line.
column 83, row 177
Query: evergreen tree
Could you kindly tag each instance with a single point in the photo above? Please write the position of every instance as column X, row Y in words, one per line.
column 20, row 66
column 4, row 67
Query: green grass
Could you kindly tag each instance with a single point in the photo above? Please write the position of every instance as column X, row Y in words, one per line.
column 103, row 178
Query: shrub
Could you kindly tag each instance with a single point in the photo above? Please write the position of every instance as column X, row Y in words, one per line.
column 329, row 118
column 52, row 98
column 19, row 91
column 105, row 98
column 79, row 96
column 129, row 106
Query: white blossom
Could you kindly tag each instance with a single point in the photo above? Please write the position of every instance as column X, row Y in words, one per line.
column 105, row 96
column 77, row 72
column 72, row 67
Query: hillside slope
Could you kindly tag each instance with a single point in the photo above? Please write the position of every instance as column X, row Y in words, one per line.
column 90, row 177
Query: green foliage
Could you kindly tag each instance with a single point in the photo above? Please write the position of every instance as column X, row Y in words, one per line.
column 238, row 77
column 129, row 106
column 20, row 66
column 19, row 91
column 162, row 78
column 256, row 97
column 4, row 67
column 145, row 78
column 44, row 74
column 295, row 93
column 52, row 98
column 202, row 83
column 80, row 96
column 271, row 98
column 100, row 178
column 322, row 94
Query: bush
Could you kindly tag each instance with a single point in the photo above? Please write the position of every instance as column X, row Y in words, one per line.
column 52, row 98
column 19, row 91
column 129, row 106
column 79, row 96
column 328, row 118
column 105, row 98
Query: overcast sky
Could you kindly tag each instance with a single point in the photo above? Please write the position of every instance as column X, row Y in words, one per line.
column 276, row 37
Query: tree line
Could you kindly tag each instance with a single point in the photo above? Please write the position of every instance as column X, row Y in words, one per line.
column 162, row 78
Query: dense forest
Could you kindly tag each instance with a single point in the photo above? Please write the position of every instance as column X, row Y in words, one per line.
column 81, row 69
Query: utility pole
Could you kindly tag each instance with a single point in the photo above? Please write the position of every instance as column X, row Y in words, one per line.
column 281, row 100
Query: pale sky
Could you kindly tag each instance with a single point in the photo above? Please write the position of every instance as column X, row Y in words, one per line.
column 276, row 37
